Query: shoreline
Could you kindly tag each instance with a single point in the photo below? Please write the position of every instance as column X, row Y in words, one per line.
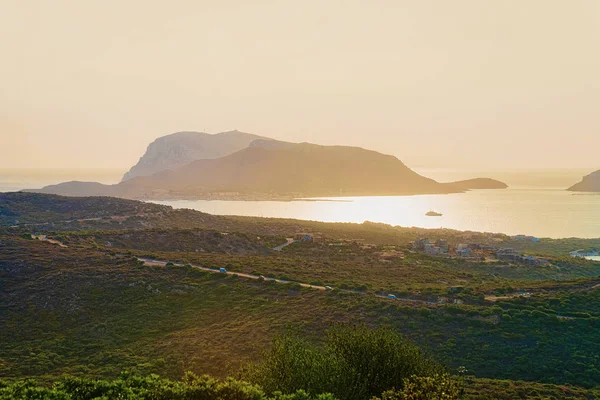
column 237, row 196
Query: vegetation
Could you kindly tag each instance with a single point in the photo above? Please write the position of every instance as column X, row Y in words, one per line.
column 133, row 387
column 50, row 212
column 425, row 388
column 354, row 267
column 176, row 240
column 92, row 309
column 495, row 389
column 32, row 208
column 95, row 312
column 354, row 363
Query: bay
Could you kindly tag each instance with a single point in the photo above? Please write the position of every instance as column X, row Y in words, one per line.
column 552, row 213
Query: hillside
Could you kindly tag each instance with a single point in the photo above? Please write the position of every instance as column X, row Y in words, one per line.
column 91, row 309
column 44, row 212
column 23, row 208
column 175, row 150
column 293, row 169
column 278, row 170
column 589, row 183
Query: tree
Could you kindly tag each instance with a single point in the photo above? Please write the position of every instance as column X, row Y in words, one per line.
column 355, row 363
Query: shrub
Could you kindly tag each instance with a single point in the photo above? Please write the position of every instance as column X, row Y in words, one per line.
column 437, row 387
column 152, row 387
column 355, row 362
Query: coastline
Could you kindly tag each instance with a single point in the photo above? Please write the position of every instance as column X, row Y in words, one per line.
column 519, row 211
column 300, row 197
column 166, row 195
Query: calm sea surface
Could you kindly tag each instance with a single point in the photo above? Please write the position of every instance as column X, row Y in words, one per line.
column 540, row 212
column 548, row 211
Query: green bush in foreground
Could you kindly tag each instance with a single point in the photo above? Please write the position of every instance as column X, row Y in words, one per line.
column 438, row 387
column 355, row 363
column 193, row 387
column 132, row 387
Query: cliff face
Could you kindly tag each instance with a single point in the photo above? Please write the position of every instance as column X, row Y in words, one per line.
column 589, row 183
column 175, row 150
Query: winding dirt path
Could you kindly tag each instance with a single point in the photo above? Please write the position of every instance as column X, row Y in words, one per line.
column 153, row 262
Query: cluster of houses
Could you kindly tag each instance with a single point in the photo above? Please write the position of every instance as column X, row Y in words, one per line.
column 464, row 250
column 526, row 238
column 473, row 250
column 439, row 247
column 308, row 237
column 514, row 256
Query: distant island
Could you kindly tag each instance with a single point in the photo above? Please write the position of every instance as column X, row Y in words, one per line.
column 589, row 183
column 263, row 169
column 479, row 183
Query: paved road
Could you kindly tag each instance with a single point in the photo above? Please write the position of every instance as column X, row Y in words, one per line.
column 150, row 261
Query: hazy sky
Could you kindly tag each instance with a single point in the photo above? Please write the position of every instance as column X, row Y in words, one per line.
column 461, row 83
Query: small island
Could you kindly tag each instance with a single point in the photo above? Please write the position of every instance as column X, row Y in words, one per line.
column 478, row 184
column 433, row 214
column 589, row 183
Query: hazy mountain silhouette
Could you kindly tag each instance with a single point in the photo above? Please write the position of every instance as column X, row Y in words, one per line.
column 478, row 183
column 288, row 168
column 175, row 150
column 273, row 168
column 589, row 183
column 79, row 189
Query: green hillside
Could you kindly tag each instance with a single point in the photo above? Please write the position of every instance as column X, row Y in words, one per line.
column 93, row 310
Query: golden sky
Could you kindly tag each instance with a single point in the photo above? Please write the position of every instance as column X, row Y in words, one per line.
column 437, row 83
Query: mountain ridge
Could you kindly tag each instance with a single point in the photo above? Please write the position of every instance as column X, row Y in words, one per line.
column 274, row 170
column 177, row 149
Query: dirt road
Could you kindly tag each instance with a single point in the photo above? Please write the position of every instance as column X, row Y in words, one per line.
column 152, row 262
column 280, row 247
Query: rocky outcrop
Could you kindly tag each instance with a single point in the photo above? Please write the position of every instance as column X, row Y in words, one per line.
column 175, row 150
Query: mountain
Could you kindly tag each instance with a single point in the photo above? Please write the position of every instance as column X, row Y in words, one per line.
column 269, row 169
column 175, row 150
column 478, row 183
column 589, row 183
column 302, row 169
column 78, row 189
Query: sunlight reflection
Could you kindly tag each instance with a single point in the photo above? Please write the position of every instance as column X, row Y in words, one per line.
column 544, row 213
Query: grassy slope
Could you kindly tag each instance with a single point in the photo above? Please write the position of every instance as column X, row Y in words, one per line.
column 91, row 311
column 84, row 311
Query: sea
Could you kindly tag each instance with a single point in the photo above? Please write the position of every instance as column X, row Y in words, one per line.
column 535, row 204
